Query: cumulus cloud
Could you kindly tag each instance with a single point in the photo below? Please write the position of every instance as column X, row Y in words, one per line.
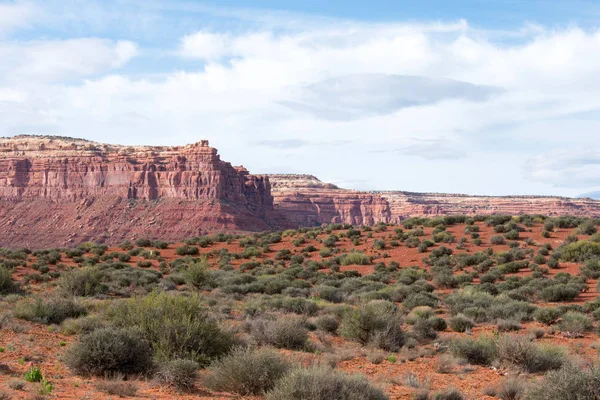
column 15, row 15
column 325, row 97
column 53, row 60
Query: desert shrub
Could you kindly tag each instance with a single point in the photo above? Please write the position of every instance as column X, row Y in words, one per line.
column 580, row 251
column 547, row 315
column 355, row 258
column 419, row 312
column 568, row 383
column 448, row 394
column 510, row 389
column 82, row 325
column 560, row 292
column 425, row 328
column 294, row 305
column 285, row 333
column 176, row 326
column 513, row 234
column 198, row 275
column 520, row 351
column 575, row 323
column 123, row 257
column 144, row 264
column 438, row 323
column 180, row 374
column 52, row 310
column 6, row 282
column 480, row 351
column 109, row 351
column 246, row 372
column 420, row 299
column 591, row 269
column 325, row 252
column 321, row 383
column 327, row 323
column 187, row 250
column 497, row 240
column 461, row 323
column 377, row 322
column 82, row 282
column 117, row 388
column 508, row 325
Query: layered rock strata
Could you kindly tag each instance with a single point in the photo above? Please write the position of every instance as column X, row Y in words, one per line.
column 57, row 191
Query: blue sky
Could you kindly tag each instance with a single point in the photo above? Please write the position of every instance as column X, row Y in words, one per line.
column 482, row 97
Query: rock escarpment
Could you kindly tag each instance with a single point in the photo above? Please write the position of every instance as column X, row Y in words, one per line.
column 60, row 192
column 307, row 201
column 56, row 191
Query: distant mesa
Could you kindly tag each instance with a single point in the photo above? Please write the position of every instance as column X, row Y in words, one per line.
column 57, row 191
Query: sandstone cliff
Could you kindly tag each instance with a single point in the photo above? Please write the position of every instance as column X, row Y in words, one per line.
column 56, row 191
column 307, row 201
column 60, row 192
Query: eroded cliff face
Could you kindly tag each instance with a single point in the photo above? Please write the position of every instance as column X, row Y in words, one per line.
column 56, row 191
column 307, row 201
column 61, row 192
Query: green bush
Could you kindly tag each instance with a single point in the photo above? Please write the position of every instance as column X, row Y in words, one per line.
column 327, row 323
column 187, row 250
column 560, row 292
column 81, row 282
column 497, row 240
column 178, row 373
column 460, row 323
column 480, row 351
column 109, row 351
column 6, row 282
column 176, row 326
column 34, row 374
column 198, row 275
column 580, row 251
column 246, row 372
column 355, row 258
column 377, row 322
column 320, row 383
column 52, row 310
column 547, row 315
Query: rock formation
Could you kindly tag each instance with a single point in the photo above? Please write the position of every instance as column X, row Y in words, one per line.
column 59, row 191
column 305, row 200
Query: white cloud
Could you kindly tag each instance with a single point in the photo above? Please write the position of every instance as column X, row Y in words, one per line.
column 325, row 97
column 15, row 15
column 576, row 167
column 53, row 60
column 357, row 96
